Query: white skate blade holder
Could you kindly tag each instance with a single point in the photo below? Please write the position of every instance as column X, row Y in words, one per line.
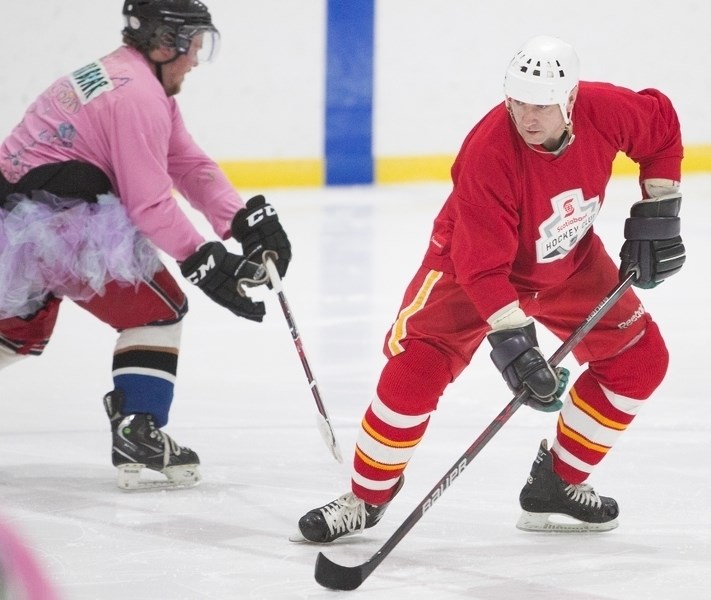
column 298, row 538
column 559, row 523
column 134, row 477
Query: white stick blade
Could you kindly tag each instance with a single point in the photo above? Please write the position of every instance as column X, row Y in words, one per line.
column 329, row 437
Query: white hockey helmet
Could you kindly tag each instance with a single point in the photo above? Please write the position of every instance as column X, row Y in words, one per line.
column 544, row 71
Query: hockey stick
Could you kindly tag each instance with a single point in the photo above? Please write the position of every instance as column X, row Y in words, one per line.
column 323, row 423
column 338, row 577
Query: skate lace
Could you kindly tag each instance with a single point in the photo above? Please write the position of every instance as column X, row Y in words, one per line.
column 345, row 514
column 169, row 445
column 583, row 493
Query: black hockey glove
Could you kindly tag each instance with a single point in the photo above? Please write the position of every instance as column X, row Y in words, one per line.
column 223, row 276
column 257, row 228
column 515, row 353
column 653, row 249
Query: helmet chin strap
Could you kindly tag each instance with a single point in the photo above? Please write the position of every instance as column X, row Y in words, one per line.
column 566, row 140
column 159, row 65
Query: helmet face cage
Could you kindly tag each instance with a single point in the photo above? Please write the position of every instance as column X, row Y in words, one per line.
column 152, row 24
column 206, row 39
column 543, row 72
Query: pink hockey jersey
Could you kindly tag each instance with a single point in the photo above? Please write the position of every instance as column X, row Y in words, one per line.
column 520, row 220
column 114, row 114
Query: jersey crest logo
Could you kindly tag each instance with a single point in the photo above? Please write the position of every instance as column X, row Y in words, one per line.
column 572, row 216
column 90, row 82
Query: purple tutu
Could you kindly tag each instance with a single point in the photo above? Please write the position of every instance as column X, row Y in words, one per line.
column 64, row 247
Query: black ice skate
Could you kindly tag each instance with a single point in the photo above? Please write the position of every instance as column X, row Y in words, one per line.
column 139, row 444
column 346, row 515
column 550, row 504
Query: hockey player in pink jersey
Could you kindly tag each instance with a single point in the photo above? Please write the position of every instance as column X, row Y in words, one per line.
column 86, row 201
column 513, row 244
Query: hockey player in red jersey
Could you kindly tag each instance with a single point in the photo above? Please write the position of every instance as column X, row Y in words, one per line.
column 513, row 245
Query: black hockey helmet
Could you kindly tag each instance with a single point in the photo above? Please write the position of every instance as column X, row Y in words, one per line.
column 172, row 23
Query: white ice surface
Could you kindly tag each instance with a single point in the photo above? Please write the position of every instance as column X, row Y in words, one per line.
column 243, row 403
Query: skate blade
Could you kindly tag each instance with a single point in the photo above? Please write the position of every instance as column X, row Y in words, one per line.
column 557, row 523
column 131, row 477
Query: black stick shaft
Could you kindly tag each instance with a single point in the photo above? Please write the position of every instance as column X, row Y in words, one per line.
column 296, row 336
column 324, row 423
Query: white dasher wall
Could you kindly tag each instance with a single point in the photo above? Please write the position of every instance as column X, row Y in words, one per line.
column 438, row 65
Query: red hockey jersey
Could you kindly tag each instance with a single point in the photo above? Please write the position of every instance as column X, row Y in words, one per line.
column 521, row 220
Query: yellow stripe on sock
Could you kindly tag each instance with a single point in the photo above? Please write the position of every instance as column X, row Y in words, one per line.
column 378, row 465
column 388, row 442
column 583, row 441
column 594, row 414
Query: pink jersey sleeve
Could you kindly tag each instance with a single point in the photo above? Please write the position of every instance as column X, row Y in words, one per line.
column 199, row 179
column 139, row 156
column 151, row 155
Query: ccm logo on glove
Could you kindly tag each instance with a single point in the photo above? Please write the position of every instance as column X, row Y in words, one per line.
column 261, row 214
column 257, row 228
column 201, row 271
column 223, row 277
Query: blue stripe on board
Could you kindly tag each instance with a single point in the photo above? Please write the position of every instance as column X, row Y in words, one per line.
column 349, row 92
